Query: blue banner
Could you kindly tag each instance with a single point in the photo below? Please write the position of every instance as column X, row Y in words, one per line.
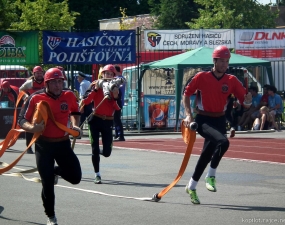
column 101, row 47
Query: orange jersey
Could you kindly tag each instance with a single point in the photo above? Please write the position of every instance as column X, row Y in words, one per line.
column 213, row 92
column 107, row 108
column 12, row 95
column 63, row 106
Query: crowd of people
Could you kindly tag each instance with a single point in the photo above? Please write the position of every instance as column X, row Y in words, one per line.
column 253, row 118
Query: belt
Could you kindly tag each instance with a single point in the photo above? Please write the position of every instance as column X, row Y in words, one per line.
column 48, row 139
column 104, row 117
column 210, row 114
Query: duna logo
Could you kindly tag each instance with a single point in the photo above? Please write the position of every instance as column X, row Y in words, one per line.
column 153, row 38
column 158, row 115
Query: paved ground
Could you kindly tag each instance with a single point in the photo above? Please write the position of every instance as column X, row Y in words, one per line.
column 248, row 191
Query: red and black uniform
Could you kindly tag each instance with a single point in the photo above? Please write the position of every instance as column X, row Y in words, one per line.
column 54, row 143
column 101, row 122
column 212, row 103
column 30, row 87
column 10, row 96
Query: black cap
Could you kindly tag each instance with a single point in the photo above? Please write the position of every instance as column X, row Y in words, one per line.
column 82, row 74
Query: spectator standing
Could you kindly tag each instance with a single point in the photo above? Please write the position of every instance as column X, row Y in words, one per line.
column 53, row 145
column 119, row 130
column 33, row 84
column 84, row 85
column 275, row 104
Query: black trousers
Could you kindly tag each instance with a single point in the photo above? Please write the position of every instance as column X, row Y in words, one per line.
column 47, row 153
column 119, row 130
column 85, row 114
column 105, row 127
column 29, row 137
column 213, row 129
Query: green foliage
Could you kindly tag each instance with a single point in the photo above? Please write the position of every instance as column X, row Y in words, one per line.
column 7, row 14
column 172, row 14
column 44, row 15
column 234, row 14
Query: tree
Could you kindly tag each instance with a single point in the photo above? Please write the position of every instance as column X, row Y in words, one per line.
column 44, row 15
column 7, row 14
column 235, row 14
column 172, row 14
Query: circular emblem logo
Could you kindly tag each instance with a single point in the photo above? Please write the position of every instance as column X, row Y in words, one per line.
column 225, row 88
column 63, row 106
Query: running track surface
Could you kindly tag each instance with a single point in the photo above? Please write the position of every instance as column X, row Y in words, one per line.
column 261, row 149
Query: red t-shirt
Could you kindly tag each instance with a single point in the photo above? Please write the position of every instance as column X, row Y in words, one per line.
column 61, row 107
column 213, row 92
column 12, row 94
column 107, row 108
column 264, row 98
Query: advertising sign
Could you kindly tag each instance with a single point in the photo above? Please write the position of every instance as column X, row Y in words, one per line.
column 187, row 39
column 268, row 44
column 159, row 111
column 100, row 47
column 19, row 48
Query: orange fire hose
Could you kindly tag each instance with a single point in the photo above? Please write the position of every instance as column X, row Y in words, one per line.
column 42, row 113
column 189, row 137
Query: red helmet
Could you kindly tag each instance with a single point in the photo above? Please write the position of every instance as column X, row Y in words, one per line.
column 5, row 84
column 53, row 73
column 221, row 52
column 60, row 67
column 110, row 68
column 38, row 69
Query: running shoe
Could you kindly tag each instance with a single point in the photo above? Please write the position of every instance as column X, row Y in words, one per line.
column 55, row 179
column 211, row 183
column 193, row 195
column 52, row 221
column 97, row 180
column 30, row 151
column 232, row 132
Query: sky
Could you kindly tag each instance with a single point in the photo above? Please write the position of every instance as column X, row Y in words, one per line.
column 266, row 1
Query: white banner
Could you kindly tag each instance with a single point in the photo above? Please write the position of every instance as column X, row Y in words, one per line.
column 266, row 44
column 187, row 39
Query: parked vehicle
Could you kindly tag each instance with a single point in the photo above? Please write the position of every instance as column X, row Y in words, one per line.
column 14, row 71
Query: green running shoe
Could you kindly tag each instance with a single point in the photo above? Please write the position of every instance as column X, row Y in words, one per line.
column 211, row 183
column 193, row 195
column 97, row 180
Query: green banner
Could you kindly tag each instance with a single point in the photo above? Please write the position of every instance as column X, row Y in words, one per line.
column 19, row 48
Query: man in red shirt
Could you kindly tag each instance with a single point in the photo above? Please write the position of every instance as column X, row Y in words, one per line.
column 53, row 144
column 9, row 93
column 33, row 84
column 213, row 88
column 102, row 119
